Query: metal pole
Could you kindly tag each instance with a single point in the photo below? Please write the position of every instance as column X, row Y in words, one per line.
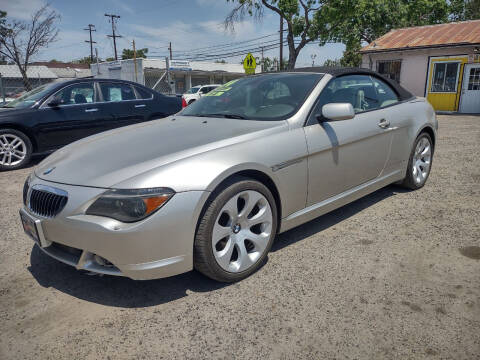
column 98, row 66
column 135, row 59
column 170, row 49
column 281, row 45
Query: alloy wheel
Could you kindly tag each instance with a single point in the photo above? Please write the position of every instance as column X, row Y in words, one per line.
column 422, row 160
column 242, row 231
column 12, row 150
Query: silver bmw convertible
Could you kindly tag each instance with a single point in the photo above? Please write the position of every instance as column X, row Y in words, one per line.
column 211, row 187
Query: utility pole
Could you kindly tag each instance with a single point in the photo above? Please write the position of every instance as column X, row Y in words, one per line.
column 98, row 65
column 91, row 28
column 135, row 59
column 263, row 67
column 113, row 17
column 170, row 49
column 281, row 45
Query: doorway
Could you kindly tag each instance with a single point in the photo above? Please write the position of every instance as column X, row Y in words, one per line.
column 470, row 101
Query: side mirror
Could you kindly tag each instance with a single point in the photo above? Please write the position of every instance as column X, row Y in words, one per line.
column 337, row 112
column 54, row 103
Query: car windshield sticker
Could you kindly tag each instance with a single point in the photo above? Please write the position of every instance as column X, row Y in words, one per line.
column 222, row 89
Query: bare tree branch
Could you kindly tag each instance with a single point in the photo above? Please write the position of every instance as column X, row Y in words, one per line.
column 20, row 41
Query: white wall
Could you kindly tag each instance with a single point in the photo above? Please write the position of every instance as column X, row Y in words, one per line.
column 414, row 69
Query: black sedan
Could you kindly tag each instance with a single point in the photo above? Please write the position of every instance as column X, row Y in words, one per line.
column 53, row 115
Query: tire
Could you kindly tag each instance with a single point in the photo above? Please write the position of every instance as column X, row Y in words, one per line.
column 223, row 249
column 416, row 177
column 15, row 149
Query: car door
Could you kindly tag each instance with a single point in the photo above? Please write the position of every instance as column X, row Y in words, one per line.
column 121, row 104
column 68, row 115
column 345, row 154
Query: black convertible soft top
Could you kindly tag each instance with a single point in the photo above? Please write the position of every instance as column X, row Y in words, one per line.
column 403, row 93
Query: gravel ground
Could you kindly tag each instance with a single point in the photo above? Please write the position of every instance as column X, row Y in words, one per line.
column 395, row 275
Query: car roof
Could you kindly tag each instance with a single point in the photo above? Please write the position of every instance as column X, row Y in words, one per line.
column 403, row 93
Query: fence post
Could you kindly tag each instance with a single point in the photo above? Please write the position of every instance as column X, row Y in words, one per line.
column 1, row 88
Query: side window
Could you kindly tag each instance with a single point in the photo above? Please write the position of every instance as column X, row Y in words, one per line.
column 205, row 90
column 386, row 95
column 117, row 92
column 76, row 94
column 357, row 90
column 143, row 94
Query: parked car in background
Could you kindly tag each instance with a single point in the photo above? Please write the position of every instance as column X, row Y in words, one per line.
column 56, row 114
column 210, row 187
column 196, row 93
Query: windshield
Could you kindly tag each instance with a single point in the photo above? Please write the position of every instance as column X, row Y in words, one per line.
column 31, row 97
column 263, row 97
column 193, row 90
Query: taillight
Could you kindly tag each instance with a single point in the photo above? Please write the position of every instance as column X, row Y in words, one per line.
column 184, row 103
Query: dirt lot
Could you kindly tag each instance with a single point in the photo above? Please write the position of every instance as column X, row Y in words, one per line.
column 395, row 275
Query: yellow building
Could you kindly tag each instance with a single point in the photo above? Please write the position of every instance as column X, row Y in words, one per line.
column 439, row 62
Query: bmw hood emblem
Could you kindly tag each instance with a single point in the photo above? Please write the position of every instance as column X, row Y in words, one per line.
column 48, row 171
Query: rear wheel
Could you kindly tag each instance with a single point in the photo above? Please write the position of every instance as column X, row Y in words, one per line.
column 420, row 163
column 15, row 149
column 236, row 231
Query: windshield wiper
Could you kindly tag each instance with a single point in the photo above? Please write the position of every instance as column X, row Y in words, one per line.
column 227, row 116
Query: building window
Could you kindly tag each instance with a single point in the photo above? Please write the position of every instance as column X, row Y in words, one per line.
column 445, row 76
column 390, row 69
column 474, row 79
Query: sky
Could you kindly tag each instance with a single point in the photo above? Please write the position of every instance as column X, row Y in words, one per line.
column 187, row 24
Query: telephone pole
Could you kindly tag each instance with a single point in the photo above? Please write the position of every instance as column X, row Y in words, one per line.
column 281, row 45
column 262, row 67
column 135, row 59
column 91, row 28
column 113, row 17
column 170, row 49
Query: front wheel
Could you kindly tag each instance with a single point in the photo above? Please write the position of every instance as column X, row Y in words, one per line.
column 236, row 231
column 15, row 149
column 419, row 163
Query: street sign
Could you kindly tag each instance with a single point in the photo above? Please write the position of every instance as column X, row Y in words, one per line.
column 249, row 64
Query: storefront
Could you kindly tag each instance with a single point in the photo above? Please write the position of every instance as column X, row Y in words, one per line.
column 439, row 62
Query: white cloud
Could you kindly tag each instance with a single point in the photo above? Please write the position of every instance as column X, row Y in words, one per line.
column 21, row 9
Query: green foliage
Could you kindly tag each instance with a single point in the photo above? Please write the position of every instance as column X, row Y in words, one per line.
column 332, row 63
column 462, row 10
column 128, row 53
column 351, row 55
column 85, row 60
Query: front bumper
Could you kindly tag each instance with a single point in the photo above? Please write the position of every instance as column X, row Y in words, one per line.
column 158, row 246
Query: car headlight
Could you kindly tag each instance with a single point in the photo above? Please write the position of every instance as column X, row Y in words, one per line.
column 130, row 205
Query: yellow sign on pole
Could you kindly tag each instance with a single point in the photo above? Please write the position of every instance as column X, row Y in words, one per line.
column 249, row 64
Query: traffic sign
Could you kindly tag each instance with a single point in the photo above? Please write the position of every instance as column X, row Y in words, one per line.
column 249, row 64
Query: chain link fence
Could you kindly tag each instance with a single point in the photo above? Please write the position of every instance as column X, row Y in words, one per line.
column 157, row 80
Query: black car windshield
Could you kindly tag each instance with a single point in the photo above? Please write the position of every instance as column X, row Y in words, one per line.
column 30, row 98
column 263, row 97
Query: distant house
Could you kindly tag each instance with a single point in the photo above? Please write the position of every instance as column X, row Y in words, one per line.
column 12, row 80
column 439, row 62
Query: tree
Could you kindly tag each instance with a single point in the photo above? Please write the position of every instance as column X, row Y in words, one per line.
column 128, row 53
column 21, row 40
column 332, row 63
column 303, row 19
column 358, row 21
column 462, row 10
column 351, row 55
column 87, row 60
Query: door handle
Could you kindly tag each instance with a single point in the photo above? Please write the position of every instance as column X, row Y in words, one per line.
column 91, row 110
column 384, row 124
column 140, row 106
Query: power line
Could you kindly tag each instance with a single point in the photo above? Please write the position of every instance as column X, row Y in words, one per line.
column 113, row 17
column 91, row 28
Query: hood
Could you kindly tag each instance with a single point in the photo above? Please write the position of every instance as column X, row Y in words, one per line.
column 114, row 156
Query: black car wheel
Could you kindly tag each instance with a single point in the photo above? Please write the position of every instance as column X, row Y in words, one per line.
column 236, row 231
column 15, row 149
